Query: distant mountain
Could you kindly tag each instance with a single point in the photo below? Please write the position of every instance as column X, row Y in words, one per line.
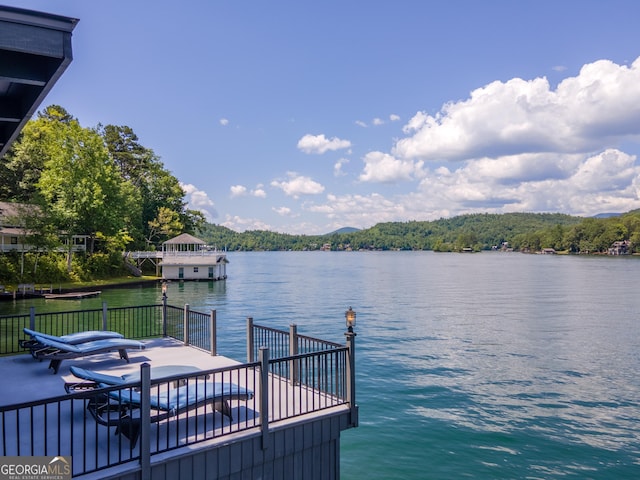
column 607, row 215
column 344, row 230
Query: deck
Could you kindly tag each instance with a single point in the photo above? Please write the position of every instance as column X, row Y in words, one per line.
column 203, row 437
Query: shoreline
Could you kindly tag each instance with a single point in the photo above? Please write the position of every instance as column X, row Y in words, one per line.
column 41, row 293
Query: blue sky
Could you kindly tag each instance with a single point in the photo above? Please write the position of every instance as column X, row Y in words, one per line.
column 304, row 117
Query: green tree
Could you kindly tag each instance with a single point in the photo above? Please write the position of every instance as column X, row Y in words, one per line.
column 130, row 157
column 81, row 185
column 166, row 224
column 156, row 187
column 25, row 160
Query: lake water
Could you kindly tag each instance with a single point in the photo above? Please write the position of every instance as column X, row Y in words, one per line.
column 480, row 366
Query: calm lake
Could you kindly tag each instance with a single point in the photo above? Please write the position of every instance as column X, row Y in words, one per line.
column 481, row 366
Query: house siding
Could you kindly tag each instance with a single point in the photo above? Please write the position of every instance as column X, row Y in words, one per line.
column 306, row 450
column 171, row 272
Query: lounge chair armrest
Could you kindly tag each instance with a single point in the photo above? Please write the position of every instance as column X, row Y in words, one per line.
column 73, row 387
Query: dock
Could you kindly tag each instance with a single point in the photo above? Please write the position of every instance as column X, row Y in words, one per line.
column 71, row 295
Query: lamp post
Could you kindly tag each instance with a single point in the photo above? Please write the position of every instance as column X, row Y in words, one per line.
column 164, row 309
column 350, row 317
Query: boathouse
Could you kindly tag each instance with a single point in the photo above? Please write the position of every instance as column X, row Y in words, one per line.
column 186, row 257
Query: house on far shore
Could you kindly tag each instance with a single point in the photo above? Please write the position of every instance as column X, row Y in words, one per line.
column 186, row 257
column 620, row 248
column 14, row 236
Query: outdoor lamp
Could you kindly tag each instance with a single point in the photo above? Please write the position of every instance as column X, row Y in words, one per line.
column 164, row 289
column 350, row 316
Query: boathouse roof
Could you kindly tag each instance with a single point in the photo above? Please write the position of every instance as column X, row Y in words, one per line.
column 35, row 49
column 184, row 239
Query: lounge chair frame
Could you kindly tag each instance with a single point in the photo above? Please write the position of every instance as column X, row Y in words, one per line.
column 116, row 407
column 92, row 379
column 56, row 352
column 71, row 339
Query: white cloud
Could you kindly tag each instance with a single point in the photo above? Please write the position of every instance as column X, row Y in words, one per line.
column 298, row 185
column 199, row 200
column 609, row 171
column 337, row 167
column 241, row 191
column 320, row 144
column 238, row 191
column 360, row 211
column 580, row 185
column 224, row 122
column 574, row 183
column 598, row 107
column 282, row 211
column 259, row 192
column 382, row 167
column 377, row 121
column 241, row 224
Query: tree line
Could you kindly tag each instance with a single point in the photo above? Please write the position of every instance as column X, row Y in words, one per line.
column 530, row 232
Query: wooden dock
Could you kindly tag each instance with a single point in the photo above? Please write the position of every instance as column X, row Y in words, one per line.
column 71, row 295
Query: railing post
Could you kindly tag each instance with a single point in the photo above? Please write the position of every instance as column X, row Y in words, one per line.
column 185, row 325
column 351, row 377
column 104, row 315
column 213, row 334
column 264, row 396
column 293, row 350
column 145, row 421
column 250, row 357
column 32, row 318
column 164, row 312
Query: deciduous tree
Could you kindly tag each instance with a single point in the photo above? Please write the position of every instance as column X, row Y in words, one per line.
column 81, row 185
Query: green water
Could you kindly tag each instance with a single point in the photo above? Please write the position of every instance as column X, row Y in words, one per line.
column 484, row 366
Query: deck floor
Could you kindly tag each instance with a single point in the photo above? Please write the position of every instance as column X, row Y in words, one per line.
column 26, row 379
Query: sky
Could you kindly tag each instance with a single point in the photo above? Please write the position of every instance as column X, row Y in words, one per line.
column 305, row 117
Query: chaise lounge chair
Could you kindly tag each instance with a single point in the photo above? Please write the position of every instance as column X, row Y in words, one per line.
column 94, row 379
column 118, row 407
column 71, row 339
column 56, row 352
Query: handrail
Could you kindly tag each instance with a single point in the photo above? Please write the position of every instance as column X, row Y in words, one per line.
column 282, row 343
column 144, row 321
column 136, row 322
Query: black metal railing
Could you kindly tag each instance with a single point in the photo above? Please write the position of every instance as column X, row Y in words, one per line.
column 145, row 321
column 133, row 322
column 282, row 343
column 307, row 383
column 105, row 427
